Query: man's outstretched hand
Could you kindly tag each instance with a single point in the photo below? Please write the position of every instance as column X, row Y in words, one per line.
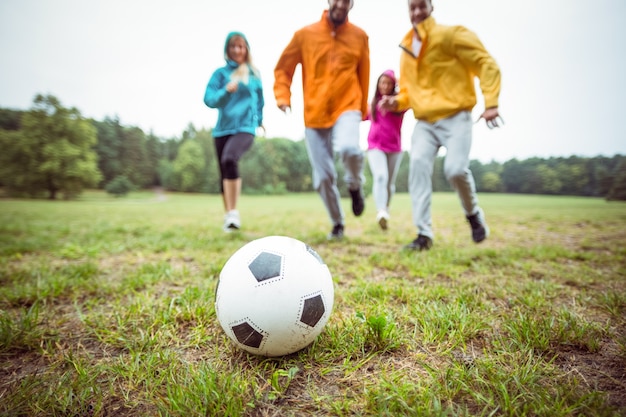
column 492, row 118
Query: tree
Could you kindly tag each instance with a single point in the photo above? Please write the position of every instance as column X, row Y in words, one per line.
column 527, row 176
column 127, row 151
column 165, row 171
column 134, row 157
column 299, row 176
column 12, row 158
column 52, row 153
column 545, row 181
column 10, row 119
column 618, row 188
column 600, row 179
column 189, row 167
column 108, row 148
column 276, row 166
column 573, row 175
column 153, row 150
column 263, row 167
column 511, row 175
column 491, row 182
column 211, row 173
column 478, row 170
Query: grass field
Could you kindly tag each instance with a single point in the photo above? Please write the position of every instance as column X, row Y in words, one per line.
column 106, row 309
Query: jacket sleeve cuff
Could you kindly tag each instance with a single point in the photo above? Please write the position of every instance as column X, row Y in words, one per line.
column 491, row 102
column 403, row 103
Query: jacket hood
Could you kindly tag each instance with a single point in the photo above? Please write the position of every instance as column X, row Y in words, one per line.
column 389, row 73
column 229, row 37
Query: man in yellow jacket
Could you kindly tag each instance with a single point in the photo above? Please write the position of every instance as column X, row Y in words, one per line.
column 438, row 65
column 334, row 56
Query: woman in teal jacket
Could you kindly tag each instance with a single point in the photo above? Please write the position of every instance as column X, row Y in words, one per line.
column 235, row 90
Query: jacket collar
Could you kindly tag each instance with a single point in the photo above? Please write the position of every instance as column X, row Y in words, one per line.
column 424, row 28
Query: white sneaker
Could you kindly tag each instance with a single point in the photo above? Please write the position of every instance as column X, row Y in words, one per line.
column 232, row 221
column 382, row 217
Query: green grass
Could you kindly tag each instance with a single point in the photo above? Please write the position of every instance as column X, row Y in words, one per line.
column 107, row 309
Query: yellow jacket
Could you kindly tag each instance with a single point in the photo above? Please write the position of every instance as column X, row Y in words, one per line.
column 335, row 71
column 440, row 81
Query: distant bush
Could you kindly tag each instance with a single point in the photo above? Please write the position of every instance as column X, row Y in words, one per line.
column 119, row 186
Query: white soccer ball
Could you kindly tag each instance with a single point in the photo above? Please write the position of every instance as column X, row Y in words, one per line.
column 274, row 296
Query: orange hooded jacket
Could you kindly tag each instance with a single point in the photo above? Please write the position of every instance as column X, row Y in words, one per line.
column 335, row 71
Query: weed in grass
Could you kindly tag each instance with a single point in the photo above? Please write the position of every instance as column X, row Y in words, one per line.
column 343, row 339
column 72, row 251
column 146, row 275
column 453, row 322
column 545, row 332
column 380, row 331
column 22, row 330
column 60, row 390
column 200, row 390
column 527, row 330
column 281, row 378
column 614, row 303
column 570, row 329
column 49, row 282
column 396, row 395
column 511, row 379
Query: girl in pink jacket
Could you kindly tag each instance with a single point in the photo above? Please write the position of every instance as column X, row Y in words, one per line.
column 384, row 150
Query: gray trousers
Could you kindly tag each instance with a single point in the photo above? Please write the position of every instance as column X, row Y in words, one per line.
column 455, row 134
column 384, row 167
column 321, row 144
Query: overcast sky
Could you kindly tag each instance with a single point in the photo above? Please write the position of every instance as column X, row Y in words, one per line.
column 148, row 62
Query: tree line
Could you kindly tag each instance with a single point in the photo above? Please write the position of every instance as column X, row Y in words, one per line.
column 51, row 151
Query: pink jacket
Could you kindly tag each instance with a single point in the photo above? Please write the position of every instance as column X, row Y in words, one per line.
column 384, row 132
column 385, row 129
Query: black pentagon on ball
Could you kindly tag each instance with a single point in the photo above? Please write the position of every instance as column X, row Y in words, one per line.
column 313, row 310
column 247, row 335
column 265, row 266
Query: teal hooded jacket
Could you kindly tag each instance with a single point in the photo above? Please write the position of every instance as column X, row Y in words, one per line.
column 238, row 112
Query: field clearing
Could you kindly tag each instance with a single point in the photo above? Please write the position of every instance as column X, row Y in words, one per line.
column 106, row 309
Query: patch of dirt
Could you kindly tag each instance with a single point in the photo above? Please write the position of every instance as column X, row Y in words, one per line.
column 603, row 371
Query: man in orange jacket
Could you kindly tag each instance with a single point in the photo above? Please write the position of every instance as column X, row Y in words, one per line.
column 334, row 55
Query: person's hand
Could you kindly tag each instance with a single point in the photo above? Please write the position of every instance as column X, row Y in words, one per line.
column 387, row 103
column 260, row 131
column 232, row 86
column 285, row 108
column 492, row 118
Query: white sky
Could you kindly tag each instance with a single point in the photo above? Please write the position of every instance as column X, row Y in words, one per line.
column 148, row 62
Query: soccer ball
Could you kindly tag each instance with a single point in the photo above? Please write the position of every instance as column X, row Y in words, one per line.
column 274, row 296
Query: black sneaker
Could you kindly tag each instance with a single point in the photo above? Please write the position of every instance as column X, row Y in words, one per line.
column 480, row 231
column 420, row 243
column 336, row 233
column 358, row 205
